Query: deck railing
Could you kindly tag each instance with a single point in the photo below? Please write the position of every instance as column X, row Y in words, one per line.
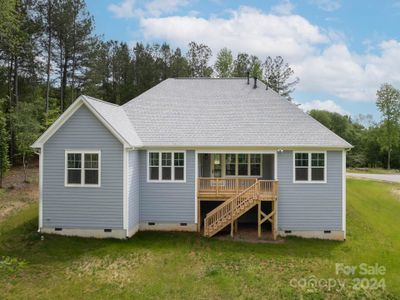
column 209, row 187
column 222, row 187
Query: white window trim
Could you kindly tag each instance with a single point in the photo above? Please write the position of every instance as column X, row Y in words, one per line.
column 82, row 153
column 172, row 180
column 223, row 162
column 309, row 168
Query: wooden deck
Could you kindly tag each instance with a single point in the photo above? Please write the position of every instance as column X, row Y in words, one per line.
column 224, row 188
column 238, row 195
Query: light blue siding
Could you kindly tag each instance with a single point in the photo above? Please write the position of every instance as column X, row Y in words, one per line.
column 310, row 206
column 80, row 207
column 167, row 202
column 133, row 189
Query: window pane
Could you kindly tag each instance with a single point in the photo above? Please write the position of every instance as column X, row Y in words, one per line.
column 178, row 173
column 255, row 158
column 74, row 176
column 318, row 159
column 154, row 158
column 317, row 174
column 301, row 159
column 91, row 176
column 255, row 170
column 243, row 158
column 243, row 169
column 166, row 159
column 91, row 160
column 74, row 160
column 154, row 173
column 230, row 170
column 301, row 174
column 230, row 158
column 166, row 173
column 179, row 159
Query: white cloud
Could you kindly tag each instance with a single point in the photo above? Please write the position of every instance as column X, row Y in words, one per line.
column 328, row 105
column 284, row 8
column 247, row 29
column 159, row 7
column 327, row 5
column 125, row 9
column 319, row 57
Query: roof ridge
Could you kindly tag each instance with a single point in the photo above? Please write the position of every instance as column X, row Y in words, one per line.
column 99, row 100
column 208, row 78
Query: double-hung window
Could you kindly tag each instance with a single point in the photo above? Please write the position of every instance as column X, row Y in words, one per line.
column 82, row 168
column 309, row 167
column 243, row 164
column 166, row 166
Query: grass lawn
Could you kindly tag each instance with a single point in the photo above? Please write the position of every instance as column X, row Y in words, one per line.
column 373, row 171
column 185, row 265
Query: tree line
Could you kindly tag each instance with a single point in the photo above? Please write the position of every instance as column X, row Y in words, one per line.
column 376, row 144
column 49, row 55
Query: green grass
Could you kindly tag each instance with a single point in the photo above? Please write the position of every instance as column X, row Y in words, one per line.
column 373, row 171
column 185, row 265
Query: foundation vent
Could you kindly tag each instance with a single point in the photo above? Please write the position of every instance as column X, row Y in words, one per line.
column 151, row 223
column 288, row 231
column 327, row 231
column 107, row 230
column 183, row 224
column 57, row 229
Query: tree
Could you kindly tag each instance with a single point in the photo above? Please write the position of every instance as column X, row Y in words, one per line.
column 241, row 65
column 255, row 67
column 27, row 127
column 388, row 103
column 198, row 57
column 277, row 74
column 224, row 64
column 4, row 137
column 179, row 66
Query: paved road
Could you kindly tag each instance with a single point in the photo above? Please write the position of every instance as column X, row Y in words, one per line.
column 381, row 177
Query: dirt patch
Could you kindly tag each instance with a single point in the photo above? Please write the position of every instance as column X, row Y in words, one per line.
column 16, row 194
column 249, row 234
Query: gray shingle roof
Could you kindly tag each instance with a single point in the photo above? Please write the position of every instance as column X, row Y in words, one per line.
column 222, row 113
column 117, row 118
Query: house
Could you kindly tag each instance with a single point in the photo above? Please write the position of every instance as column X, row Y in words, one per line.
column 192, row 155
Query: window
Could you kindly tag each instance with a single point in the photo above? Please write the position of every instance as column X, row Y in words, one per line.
column 317, row 166
column 255, row 164
column 82, row 168
column 230, row 164
column 166, row 166
column 301, row 163
column 243, row 164
column 309, row 167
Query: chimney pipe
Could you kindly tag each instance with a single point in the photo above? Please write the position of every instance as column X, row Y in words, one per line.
column 266, row 85
column 255, row 83
column 248, row 77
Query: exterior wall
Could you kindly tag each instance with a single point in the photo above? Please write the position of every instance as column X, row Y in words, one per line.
column 168, row 202
column 310, row 206
column 83, row 207
column 133, row 190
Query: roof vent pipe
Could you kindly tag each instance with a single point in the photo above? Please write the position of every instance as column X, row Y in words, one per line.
column 266, row 85
column 255, row 83
column 248, row 77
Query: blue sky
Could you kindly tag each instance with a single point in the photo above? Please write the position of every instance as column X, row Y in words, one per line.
column 341, row 50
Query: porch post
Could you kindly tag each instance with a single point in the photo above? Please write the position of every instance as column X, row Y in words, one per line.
column 259, row 219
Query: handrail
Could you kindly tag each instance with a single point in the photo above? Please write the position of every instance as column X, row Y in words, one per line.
column 229, row 207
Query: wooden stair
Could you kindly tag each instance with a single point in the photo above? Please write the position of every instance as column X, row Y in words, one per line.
column 229, row 211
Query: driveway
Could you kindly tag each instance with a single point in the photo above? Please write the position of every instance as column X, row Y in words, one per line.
column 380, row 177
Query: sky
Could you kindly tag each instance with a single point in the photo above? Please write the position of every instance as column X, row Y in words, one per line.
column 342, row 51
